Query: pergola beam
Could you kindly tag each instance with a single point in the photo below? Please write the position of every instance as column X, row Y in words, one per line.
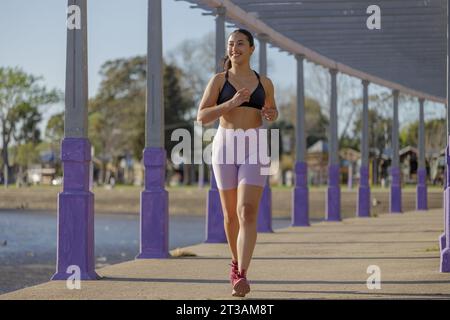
column 238, row 14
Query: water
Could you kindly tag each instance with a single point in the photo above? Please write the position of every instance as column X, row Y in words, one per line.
column 29, row 256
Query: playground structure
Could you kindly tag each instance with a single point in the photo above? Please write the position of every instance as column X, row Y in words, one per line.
column 346, row 47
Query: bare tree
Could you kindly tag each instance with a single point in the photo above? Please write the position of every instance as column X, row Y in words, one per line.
column 318, row 86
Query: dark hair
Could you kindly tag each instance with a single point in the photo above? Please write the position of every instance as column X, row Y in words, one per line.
column 227, row 61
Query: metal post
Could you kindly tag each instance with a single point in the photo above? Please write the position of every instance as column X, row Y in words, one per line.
column 154, row 242
column 265, row 207
column 395, row 202
column 215, row 232
column 75, row 246
column 445, row 238
column 421, row 200
column 300, row 194
column 333, row 204
column 363, row 209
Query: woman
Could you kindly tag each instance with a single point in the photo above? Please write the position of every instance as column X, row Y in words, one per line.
column 240, row 98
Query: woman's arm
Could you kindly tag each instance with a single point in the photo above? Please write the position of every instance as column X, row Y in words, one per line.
column 269, row 111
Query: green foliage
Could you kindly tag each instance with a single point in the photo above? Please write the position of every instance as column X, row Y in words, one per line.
column 21, row 95
column 316, row 122
column 25, row 119
column 435, row 132
column 55, row 128
column 117, row 113
column 379, row 129
column 27, row 154
column 349, row 142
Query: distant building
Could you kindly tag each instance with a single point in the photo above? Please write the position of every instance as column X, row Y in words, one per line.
column 317, row 160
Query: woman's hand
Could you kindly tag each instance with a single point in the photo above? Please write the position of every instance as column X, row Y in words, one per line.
column 270, row 114
column 243, row 95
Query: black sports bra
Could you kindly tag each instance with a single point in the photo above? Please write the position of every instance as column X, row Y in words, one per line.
column 257, row 98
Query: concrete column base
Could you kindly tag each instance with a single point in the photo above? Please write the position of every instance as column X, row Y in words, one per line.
column 75, row 243
column 421, row 190
column 333, row 203
column 363, row 204
column 300, row 197
column 215, row 231
column 395, row 196
column 154, row 207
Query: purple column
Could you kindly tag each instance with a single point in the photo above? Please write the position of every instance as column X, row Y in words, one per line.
column 442, row 240
column 154, row 226
column 300, row 205
column 333, row 206
column 215, row 231
column 75, row 240
column 333, row 203
column 445, row 239
column 421, row 201
column 364, row 193
column 395, row 197
column 300, row 193
column 154, row 217
column 75, row 244
column 363, row 202
column 421, row 190
column 265, row 205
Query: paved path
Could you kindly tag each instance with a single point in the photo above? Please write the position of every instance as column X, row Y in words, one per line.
column 327, row 260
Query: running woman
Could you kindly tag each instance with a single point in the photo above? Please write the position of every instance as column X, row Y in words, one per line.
column 240, row 98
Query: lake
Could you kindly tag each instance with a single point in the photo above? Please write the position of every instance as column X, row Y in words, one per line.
column 28, row 242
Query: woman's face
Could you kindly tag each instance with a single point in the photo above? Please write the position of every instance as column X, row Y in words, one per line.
column 239, row 49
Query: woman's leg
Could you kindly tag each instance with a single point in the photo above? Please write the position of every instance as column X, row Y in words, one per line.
column 231, row 223
column 226, row 179
column 248, row 198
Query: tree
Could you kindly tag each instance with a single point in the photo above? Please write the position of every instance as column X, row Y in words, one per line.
column 380, row 132
column 315, row 121
column 54, row 131
column 196, row 57
column 25, row 119
column 20, row 96
column 435, row 135
column 117, row 113
column 349, row 90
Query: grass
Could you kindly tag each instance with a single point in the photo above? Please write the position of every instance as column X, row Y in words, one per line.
column 195, row 186
column 433, row 249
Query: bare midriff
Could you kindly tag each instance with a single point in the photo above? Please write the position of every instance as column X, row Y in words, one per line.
column 241, row 118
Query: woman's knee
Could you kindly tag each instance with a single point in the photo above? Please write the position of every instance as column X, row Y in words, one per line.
column 230, row 216
column 247, row 213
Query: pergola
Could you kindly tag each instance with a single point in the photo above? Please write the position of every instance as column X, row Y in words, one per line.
column 407, row 55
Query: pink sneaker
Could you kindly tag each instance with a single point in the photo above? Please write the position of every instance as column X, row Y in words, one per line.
column 234, row 271
column 240, row 285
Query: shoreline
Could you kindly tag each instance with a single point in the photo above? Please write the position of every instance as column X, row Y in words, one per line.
column 191, row 201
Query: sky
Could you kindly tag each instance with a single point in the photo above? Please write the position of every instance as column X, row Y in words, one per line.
column 33, row 37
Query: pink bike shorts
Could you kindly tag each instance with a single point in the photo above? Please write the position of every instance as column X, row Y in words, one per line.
column 240, row 157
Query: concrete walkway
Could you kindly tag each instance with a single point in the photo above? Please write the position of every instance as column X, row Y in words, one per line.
column 324, row 261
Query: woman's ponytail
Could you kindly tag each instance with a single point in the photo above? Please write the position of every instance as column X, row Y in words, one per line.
column 226, row 63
